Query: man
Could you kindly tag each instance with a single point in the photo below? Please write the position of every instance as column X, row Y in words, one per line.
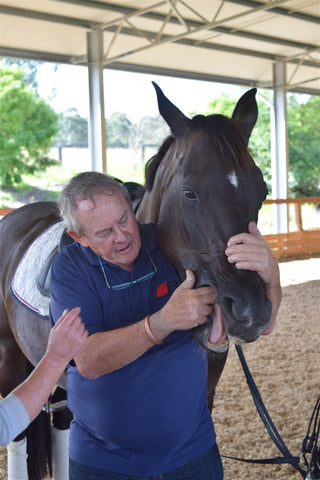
column 24, row 403
column 138, row 388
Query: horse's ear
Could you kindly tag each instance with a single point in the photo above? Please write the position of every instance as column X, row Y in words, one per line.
column 176, row 120
column 246, row 113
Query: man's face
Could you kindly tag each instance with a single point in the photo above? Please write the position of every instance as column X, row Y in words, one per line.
column 110, row 229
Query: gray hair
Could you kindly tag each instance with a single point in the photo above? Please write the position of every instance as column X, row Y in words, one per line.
column 82, row 187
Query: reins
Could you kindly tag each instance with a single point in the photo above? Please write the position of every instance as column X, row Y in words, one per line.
column 310, row 442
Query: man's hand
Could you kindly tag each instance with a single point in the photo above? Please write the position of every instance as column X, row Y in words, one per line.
column 249, row 251
column 67, row 336
column 187, row 308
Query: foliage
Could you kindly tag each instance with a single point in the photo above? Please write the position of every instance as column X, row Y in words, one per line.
column 304, row 141
column 304, row 146
column 223, row 105
column 73, row 130
column 150, row 131
column 30, row 70
column 119, row 130
column 27, row 127
column 260, row 143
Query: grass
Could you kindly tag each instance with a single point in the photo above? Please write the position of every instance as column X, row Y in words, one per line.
column 32, row 189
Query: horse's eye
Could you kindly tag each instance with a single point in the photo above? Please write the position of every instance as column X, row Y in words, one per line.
column 189, row 195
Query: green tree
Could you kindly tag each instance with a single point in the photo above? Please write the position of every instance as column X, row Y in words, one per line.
column 30, row 69
column 119, row 129
column 27, row 127
column 260, row 142
column 73, row 130
column 150, row 131
column 304, row 146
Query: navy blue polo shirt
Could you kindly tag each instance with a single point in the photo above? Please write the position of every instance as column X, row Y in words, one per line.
column 151, row 415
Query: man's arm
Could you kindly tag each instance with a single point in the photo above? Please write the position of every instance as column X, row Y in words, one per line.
column 65, row 340
column 105, row 352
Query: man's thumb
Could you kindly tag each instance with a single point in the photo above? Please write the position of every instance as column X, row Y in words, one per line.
column 253, row 229
column 189, row 281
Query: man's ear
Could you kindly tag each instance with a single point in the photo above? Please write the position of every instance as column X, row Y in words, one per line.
column 77, row 238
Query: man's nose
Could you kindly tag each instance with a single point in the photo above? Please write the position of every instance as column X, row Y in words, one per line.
column 119, row 235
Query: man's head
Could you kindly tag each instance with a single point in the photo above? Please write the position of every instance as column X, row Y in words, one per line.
column 98, row 214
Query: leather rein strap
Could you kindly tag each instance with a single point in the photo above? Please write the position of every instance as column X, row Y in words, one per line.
column 309, row 443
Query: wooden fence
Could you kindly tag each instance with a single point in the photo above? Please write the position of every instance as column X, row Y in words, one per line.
column 284, row 245
column 5, row 211
column 299, row 243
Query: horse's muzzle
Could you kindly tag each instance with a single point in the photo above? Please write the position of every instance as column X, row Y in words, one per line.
column 246, row 316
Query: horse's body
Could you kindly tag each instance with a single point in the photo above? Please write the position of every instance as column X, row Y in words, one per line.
column 22, row 328
column 202, row 188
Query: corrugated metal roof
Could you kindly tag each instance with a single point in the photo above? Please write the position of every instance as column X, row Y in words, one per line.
column 226, row 41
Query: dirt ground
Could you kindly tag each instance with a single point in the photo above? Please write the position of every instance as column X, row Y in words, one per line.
column 286, row 368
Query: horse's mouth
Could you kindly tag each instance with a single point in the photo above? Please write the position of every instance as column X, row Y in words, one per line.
column 218, row 333
column 213, row 335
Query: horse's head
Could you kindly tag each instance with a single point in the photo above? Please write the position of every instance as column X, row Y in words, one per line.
column 206, row 188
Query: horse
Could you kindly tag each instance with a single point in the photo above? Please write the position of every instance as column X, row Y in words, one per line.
column 201, row 188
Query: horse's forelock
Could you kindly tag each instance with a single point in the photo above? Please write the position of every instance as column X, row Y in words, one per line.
column 230, row 150
column 153, row 163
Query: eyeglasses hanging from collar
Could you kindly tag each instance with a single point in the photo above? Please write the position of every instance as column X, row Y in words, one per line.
column 122, row 286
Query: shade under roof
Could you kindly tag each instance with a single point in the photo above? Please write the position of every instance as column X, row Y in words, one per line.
column 226, row 41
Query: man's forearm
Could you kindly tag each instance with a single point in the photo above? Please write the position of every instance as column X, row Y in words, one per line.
column 34, row 391
column 274, row 294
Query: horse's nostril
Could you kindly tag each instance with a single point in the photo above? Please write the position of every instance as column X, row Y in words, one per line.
column 235, row 309
column 228, row 305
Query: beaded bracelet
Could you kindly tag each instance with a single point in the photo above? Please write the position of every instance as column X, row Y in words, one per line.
column 153, row 339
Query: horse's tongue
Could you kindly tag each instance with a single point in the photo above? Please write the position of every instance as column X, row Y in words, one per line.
column 218, row 333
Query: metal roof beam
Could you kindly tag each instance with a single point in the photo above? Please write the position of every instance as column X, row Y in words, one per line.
column 48, row 17
column 280, row 11
column 201, row 27
column 36, row 55
column 169, row 72
column 191, row 24
column 265, row 38
column 220, row 47
column 100, row 5
column 156, row 16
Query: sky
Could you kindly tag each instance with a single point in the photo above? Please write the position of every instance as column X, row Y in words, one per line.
column 130, row 93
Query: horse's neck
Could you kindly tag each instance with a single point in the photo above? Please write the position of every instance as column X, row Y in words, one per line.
column 152, row 201
column 149, row 207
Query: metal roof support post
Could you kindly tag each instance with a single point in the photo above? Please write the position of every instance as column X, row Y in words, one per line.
column 97, row 128
column 280, row 158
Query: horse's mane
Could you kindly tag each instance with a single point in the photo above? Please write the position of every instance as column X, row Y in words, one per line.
column 225, row 140
column 154, row 162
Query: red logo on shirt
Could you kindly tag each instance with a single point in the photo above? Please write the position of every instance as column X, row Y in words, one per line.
column 162, row 290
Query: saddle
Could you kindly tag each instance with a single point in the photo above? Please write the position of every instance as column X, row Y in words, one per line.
column 43, row 280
